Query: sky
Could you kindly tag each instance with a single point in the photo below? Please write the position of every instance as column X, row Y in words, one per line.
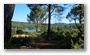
column 21, row 11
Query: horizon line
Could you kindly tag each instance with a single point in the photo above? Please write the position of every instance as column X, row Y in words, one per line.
column 46, row 23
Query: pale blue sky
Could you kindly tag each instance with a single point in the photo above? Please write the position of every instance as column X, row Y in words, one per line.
column 21, row 11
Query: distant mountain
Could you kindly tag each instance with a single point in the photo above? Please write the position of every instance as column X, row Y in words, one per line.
column 71, row 24
column 22, row 25
column 19, row 22
column 62, row 24
column 28, row 24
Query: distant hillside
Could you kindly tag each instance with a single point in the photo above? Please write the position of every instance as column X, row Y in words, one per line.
column 20, row 22
column 56, row 24
column 22, row 25
column 62, row 24
column 26, row 25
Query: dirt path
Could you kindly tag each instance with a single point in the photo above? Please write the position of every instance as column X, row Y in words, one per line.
column 40, row 43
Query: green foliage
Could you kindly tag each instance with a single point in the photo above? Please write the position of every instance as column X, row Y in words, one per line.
column 34, row 34
column 77, row 45
column 21, row 40
column 37, row 16
column 15, row 43
column 20, row 32
column 13, row 32
column 76, row 13
column 43, row 28
column 22, row 25
column 67, row 37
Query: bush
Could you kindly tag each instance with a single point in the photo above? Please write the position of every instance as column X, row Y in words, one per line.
column 13, row 32
column 20, row 32
column 54, row 35
column 21, row 40
column 67, row 36
column 44, row 35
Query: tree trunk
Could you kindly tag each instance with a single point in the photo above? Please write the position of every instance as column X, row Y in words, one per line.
column 36, row 27
column 8, row 13
column 80, row 26
column 48, row 33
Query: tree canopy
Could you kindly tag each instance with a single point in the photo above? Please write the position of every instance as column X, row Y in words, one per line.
column 37, row 15
column 51, row 9
column 76, row 13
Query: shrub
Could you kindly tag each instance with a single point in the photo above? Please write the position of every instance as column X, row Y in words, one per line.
column 21, row 40
column 20, row 32
column 13, row 32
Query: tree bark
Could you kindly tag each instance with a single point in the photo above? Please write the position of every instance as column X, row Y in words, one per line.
column 80, row 26
column 48, row 33
column 36, row 27
column 8, row 14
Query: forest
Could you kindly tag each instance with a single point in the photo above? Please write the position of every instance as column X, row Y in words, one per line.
column 47, row 35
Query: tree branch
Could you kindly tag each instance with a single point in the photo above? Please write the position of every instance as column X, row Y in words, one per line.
column 52, row 10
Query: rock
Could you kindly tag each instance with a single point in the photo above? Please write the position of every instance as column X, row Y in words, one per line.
column 23, row 47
